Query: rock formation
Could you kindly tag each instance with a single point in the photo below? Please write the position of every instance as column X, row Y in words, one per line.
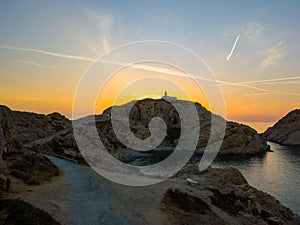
column 222, row 196
column 239, row 138
column 7, row 140
column 15, row 160
column 287, row 130
column 33, row 126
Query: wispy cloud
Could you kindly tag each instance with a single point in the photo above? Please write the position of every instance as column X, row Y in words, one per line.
column 273, row 55
column 267, row 42
column 104, row 22
column 35, row 64
column 254, row 32
column 234, row 44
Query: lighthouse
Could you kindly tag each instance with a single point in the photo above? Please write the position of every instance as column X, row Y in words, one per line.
column 168, row 98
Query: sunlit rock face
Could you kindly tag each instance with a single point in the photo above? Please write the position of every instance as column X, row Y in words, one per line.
column 287, row 130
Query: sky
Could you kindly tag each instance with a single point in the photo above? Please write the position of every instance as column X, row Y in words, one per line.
column 251, row 47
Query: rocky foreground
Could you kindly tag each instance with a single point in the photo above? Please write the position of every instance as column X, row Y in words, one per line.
column 222, row 196
column 287, row 130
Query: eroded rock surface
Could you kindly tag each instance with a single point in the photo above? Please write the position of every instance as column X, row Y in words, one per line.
column 287, row 130
column 223, row 196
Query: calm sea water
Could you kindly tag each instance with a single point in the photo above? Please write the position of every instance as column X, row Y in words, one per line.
column 277, row 173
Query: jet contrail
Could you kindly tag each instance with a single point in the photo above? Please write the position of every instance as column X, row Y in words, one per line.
column 47, row 53
column 157, row 69
column 35, row 64
column 234, row 44
column 233, row 47
column 271, row 80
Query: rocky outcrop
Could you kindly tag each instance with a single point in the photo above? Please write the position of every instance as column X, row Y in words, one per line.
column 222, row 196
column 239, row 138
column 32, row 126
column 15, row 160
column 7, row 140
column 287, row 130
column 7, row 130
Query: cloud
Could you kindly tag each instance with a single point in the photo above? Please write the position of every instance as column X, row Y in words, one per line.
column 273, row 55
column 254, row 32
column 266, row 41
column 104, row 22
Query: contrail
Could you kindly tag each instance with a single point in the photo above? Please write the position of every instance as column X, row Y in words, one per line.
column 157, row 69
column 233, row 47
column 35, row 64
column 271, row 80
column 47, row 53
column 234, row 44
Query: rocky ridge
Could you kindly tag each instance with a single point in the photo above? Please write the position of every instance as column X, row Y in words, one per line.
column 287, row 130
column 239, row 138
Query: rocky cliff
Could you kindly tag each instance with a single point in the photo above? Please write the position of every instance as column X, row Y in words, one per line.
column 7, row 140
column 15, row 160
column 287, row 130
column 222, row 196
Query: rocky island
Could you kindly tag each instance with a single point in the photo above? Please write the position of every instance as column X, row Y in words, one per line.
column 239, row 138
column 287, row 130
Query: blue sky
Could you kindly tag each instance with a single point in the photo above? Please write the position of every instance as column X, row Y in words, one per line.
column 268, row 46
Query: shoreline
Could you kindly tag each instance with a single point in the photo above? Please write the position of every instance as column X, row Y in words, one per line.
column 145, row 202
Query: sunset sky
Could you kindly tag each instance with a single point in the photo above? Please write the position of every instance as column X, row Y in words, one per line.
column 252, row 47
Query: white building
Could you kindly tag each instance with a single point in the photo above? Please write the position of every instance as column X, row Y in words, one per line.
column 166, row 97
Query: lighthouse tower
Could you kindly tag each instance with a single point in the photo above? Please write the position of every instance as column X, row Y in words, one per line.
column 166, row 97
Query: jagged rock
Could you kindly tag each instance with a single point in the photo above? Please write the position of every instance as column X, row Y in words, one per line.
column 223, row 196
column 7, row 140
column 239, row 138
column 7, row 130
column 15, row 160
column 287, row 130
column 32, row 126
